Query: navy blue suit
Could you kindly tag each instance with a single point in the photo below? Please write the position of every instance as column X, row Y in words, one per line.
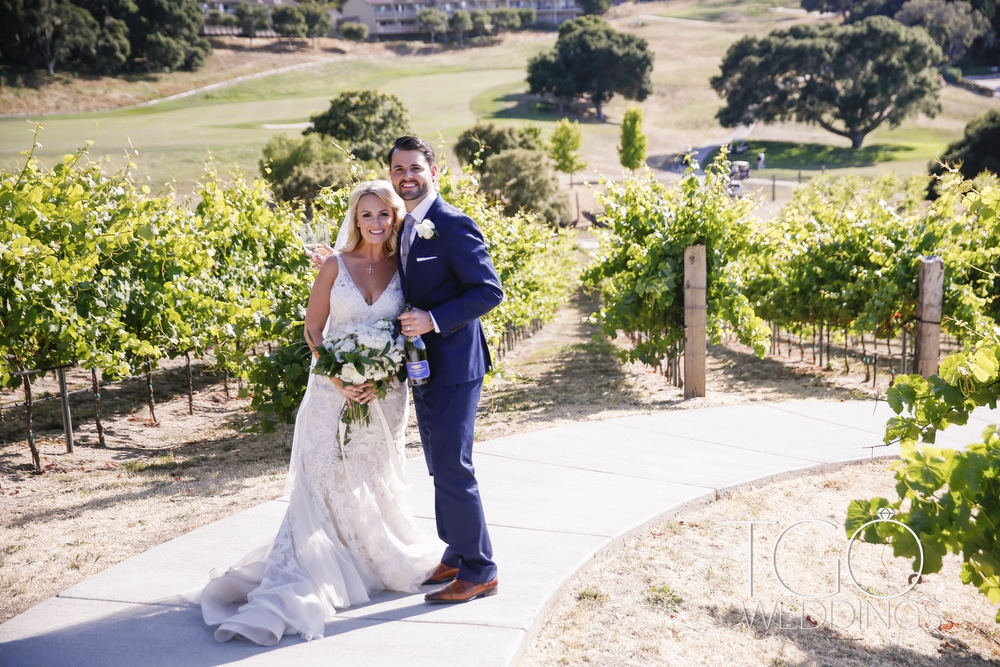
column 453, row 276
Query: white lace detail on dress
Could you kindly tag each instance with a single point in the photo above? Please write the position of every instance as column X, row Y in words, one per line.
column 344, row 537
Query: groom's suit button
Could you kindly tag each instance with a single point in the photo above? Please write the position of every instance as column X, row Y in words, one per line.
column 462, row 591
column 441, row 574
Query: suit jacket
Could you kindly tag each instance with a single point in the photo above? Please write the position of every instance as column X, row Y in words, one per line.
column 453, row 276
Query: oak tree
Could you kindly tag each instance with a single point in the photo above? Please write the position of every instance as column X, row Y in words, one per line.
column 365, row 122
column 847, row 79
column 594, row 61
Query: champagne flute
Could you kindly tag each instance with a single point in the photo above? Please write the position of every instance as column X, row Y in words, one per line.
column 314, row 237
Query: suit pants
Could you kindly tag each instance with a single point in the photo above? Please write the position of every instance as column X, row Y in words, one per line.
column 446, row 417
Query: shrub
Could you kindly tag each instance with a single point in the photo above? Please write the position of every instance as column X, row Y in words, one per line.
column 164, row 53
column 297, row 168
column 354, row 32
column 632, row 152
column 521, row 179
column 491, row 140
column 951, row 74
column 977, row 151
column 366, row 122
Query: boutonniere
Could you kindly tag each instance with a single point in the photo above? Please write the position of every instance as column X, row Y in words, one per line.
column 426, row 230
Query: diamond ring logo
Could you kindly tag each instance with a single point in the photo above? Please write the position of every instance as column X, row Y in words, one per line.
column 886, row 513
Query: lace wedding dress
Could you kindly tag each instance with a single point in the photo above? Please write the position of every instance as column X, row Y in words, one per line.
column 349, row 531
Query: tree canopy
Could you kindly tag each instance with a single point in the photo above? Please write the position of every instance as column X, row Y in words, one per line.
column 597, row 7
column 252, row 19
column 433, row 20
column 955, row 26
column 317, row 18
column 523, row 179
column 461, row 23
column 847, row 79
column 594, row 61
column 486, row 139
column 977, row 151
column 481, row 21
column 957, row 17
column 102, row 36
column 632, row 152
column 365, row 122
column 563, row 146
column 296, row 168
column 289, row 22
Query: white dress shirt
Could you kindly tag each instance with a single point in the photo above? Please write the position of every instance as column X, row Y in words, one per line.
column 418, row 214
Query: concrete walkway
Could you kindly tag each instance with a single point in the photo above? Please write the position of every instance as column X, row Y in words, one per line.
column 555, row 499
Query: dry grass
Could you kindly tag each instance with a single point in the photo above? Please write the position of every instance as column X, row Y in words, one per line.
column 37, row 93
column 675, row 595
column 97, row 507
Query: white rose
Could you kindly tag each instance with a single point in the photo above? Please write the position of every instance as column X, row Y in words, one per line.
column 425, row 229
column 350, row 375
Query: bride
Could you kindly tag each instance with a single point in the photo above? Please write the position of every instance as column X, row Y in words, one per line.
column 347, row 533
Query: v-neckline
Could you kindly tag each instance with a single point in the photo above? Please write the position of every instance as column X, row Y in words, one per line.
column 343, row 265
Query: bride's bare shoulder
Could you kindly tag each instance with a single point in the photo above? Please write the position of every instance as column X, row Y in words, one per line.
column 329, row 269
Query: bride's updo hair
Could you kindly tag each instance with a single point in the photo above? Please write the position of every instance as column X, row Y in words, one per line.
column 348, row 240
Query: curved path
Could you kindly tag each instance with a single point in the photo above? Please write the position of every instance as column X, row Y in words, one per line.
column 555, row 500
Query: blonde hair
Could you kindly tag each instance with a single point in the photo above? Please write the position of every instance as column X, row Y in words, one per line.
column 383, row 190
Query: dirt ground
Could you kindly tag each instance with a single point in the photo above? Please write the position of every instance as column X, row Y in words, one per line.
column 678, row 594
column 96, row 507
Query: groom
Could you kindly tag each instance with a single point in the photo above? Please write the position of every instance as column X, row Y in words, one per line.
column 450, row 281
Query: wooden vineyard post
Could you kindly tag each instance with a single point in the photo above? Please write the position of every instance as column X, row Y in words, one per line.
column 67, row 416
column 930, row 295
column 695, row 284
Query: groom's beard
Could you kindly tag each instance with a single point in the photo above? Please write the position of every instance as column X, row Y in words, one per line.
column 419, row 193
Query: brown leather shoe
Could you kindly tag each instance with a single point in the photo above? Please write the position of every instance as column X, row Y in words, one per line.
column 462, row 591
column 441, row 574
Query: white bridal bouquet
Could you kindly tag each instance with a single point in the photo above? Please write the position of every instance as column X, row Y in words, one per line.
column 358, row 355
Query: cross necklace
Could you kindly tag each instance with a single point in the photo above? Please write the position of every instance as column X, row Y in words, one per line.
column 370, row 269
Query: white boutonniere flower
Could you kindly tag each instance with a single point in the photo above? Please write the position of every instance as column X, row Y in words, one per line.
column 426, row 230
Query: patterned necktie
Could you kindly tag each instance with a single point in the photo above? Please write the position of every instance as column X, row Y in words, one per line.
column 404, row 249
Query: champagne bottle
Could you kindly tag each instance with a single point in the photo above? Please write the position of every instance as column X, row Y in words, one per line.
column 417, row 368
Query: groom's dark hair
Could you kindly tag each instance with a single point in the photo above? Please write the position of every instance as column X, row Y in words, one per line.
column 408, row 143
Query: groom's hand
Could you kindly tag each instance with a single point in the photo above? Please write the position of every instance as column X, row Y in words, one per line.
column 416, row 322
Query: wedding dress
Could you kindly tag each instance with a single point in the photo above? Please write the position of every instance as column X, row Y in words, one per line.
column 348, row 531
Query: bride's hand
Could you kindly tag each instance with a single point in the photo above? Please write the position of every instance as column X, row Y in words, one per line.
column 319, row 256
column 361, row 393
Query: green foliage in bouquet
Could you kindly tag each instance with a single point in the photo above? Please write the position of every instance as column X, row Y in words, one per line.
column 640, row 270
column 278, row 380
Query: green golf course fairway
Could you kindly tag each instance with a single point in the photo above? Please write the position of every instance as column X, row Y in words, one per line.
column 174, row 140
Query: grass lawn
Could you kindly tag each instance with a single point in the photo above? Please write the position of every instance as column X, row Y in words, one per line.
column 447, row 91
column 175, row 139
